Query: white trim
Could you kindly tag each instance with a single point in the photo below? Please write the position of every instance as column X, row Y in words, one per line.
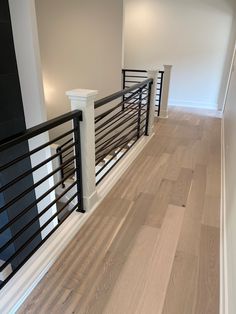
column 223, row 236
column 192, row 104
column 6, row 271
column 25, row 280
column 229, row 78
column 163, row 114
column 115, row 174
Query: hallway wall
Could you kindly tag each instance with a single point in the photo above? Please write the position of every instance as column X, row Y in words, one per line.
column 194, row 36
column 81, row 47
column 230, row 190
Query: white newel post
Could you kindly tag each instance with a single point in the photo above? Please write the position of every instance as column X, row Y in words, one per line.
column 165, row 91
column 83, row 99
column 152, row 74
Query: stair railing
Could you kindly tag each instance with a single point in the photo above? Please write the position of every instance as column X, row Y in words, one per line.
column 32, row 224
column 110, row 127
column 120, row 126
column 134, row 76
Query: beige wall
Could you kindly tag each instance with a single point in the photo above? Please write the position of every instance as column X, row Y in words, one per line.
column 193, row 35
column 230, row 190
column 81, row 47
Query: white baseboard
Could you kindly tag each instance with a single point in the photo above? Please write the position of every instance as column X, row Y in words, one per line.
column 193, row 104
column 25, row 280
column 223, row 235
column 163, row 114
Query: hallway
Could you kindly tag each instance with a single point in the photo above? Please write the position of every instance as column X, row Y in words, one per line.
column 152, row 246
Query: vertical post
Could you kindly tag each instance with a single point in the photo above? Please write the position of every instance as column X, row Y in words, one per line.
column 78, row 163
column 139, row 111
column 165, row 91
column 161, row 73
column 149, row 88
column 58, row 150
column 83, row 99
column 152, row 74
column 123, row 87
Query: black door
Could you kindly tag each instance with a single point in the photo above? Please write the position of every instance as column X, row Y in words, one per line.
column 12, row 122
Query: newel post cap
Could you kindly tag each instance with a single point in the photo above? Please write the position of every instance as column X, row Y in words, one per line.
column 168, row 66
column 81, row 93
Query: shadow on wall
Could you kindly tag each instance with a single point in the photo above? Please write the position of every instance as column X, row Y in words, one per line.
column 219, row 5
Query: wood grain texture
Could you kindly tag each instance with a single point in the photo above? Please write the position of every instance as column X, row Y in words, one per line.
column 208, row 283
column 180, row 297
column 160, row 265
column 152, row 245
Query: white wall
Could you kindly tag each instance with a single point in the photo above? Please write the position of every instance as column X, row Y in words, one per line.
column 193, row 35
column 230, row 191
column 25, row 36
column 81, row 47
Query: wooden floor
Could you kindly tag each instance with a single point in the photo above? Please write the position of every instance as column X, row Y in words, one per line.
column 152, row 246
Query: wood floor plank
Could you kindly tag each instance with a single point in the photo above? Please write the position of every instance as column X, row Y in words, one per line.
column 157, row 211
column 208, row 275
column 181, row 188
column 174, row 166
column 130, row 283
column 189, row 240
column 211, row 211
column 160, row 265
column 108, row 269
column 196, row 198
column 180, row 296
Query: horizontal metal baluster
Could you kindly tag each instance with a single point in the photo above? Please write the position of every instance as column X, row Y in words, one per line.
column 32, row 152
column 119, row 150
column 36, row 233
column 36, row 218
column 100, row 158
column 15, row 270
column 114, row 128
column 104, row 114
column 39, row 129
column 114, row 96
column 106, row 146
column 30, row 171
column 17, row 198
column 127, row 116
column 25, row 211
column 114, row 164
column 121, row 143
column 120, row 113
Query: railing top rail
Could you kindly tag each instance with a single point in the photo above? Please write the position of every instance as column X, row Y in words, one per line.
column 134, row 70
column 121, row 93
column 39, row 129
column 139, row 71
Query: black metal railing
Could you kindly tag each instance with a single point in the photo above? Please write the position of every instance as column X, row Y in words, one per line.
column 32, row 220
column 120, row 120
column 131, row 77
column 65, row 151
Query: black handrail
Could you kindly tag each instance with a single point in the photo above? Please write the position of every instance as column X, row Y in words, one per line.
column 39, row 129
column 121, row 93
column 25, row 216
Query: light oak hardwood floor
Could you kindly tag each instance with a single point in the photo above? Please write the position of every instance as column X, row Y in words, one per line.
column 152, row 246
